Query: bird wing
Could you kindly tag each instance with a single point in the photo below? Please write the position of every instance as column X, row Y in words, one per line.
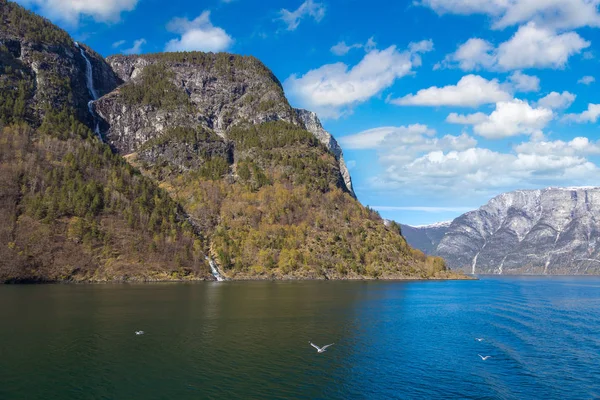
column 324, row 347
column 481, row 356
column 315, row 346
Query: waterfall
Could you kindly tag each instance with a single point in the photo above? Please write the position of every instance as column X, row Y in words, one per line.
column 90, row 85
column 215, row 270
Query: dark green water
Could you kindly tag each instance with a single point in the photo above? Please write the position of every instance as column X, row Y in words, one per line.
column 250, row 340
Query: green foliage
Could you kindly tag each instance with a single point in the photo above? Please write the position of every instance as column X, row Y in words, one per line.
column 23, row 23
column 214, row 168
column 16, row 88
column 222, row 64
column 69, row 185
column 271, row 135
column 180, row 134
column 155, row 88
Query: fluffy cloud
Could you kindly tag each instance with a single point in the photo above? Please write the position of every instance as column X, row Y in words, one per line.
column 331, row 89
column 342, row 48
column 579, row 146
column 524, row 83
column 531, row 46
column 198, row 34
column 118, row 43
column 510, row 118
column 136, row 48
column 587, row 80
column 71, row 11
column 590, row 115
column 374, row 138
column 307, row 9
column 556, row 14
column 478, row 170
column 470, row 91
column 555, row 100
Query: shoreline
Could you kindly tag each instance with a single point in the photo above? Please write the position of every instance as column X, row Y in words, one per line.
column 241, row 279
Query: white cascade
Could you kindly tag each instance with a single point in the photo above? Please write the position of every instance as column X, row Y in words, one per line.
column 90, row 85
column 215, row 270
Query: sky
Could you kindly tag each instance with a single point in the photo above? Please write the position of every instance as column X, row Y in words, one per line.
column 439, row 105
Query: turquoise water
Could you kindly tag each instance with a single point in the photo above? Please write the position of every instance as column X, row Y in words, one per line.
column 250, row 340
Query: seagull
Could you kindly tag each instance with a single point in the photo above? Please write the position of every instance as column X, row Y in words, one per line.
column 483, row 358
column 479, row 339
column 139, row 332
column 320, row 349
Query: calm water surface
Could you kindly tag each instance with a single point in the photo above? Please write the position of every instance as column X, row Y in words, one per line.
column 250, row 340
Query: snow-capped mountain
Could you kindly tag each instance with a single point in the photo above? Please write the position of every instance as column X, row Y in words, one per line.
column 549, row 231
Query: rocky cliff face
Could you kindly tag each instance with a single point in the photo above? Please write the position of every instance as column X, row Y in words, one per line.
column 51, row 63
column 313, row 125
column 223, row 91
column 427, row 237
column 550, row 231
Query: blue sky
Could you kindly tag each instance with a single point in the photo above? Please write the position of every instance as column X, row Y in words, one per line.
column 439, row 105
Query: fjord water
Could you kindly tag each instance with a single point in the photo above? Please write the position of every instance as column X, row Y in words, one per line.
column 250, row 340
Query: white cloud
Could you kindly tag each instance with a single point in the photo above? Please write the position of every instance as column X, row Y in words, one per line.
column 307, row 9
column 469, row 119
column 555, row 100
column 474, row 54
column 332, row 89
column 535, row 47
column 511, row 118
column 524, row 83
column 531, row 46
column 118, row 43
column 198, row 34
column 587, row 80
column 72, row 11
column 470, row 91
column 479, row 170
column 374, row 138
column 590, row 115
column 370, row 45
column 579, row 146
column 556, row 14
column 588, row 55
column 342, row 48
column 136, row 48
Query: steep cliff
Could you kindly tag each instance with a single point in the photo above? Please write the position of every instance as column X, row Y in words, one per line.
column 550, row 231
column 212, row 91
column 313, row 125
column 43, row 65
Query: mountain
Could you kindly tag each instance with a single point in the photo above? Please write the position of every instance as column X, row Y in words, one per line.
column 425, row 237
column 172, row 166
column 551, row 231
column 313, row 125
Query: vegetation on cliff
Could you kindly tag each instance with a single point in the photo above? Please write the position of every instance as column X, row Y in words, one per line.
column 73, row 210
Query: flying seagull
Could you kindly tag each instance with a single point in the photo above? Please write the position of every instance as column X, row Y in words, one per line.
column 483, row 358
column 479, row 339
column 139, row 332
column 320, row 349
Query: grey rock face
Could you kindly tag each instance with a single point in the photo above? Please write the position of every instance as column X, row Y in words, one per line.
column 313, row 125
column 58, row 74
column 225, row 91
column 550, row 231
column 425, row 238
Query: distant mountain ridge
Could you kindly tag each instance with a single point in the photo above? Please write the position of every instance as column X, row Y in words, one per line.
column 550, row 231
